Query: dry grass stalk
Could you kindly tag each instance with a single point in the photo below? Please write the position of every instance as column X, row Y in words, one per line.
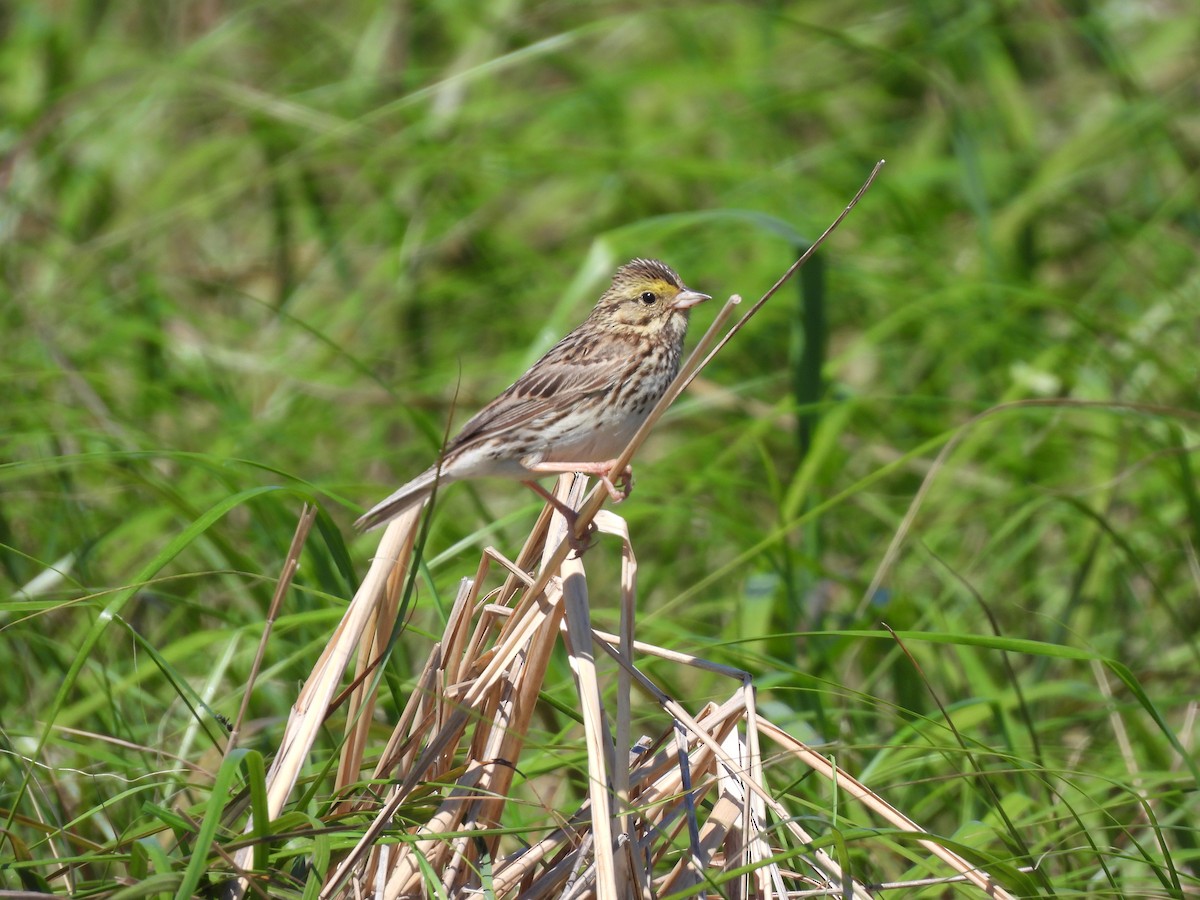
column 313, row 703
column 465, row 728
column 476, row 801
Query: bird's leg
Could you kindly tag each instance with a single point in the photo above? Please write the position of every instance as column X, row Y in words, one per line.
column 601, row 470
column 578, row 544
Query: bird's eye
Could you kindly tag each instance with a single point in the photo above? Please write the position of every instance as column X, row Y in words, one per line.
column 648, row 297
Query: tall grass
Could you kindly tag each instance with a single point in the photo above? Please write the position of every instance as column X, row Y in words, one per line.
column 257, row 254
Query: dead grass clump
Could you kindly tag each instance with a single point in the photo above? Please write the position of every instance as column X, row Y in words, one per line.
column 684, row 812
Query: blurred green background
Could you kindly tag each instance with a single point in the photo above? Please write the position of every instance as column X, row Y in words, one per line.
column 257, row 253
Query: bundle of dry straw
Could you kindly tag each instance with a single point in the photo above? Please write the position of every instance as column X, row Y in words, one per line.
column 644, row 830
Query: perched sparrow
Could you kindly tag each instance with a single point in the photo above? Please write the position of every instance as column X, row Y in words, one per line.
column 578, row 406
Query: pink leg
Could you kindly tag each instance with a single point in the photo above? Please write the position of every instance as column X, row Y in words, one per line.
column 601, row 470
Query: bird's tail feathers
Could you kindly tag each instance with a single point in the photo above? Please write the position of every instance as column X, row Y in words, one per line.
column 416, row 491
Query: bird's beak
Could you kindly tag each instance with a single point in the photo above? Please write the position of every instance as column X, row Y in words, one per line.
column 688, row 299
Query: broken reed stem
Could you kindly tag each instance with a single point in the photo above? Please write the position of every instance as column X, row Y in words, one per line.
column 291, row 564
column 786, row 276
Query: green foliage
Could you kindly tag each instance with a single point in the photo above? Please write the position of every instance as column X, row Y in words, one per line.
column 254, row 254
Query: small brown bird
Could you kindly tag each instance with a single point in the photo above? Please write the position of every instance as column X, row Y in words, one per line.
column 578, row 406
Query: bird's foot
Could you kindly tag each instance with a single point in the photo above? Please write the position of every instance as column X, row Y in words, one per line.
column 618, row 488
column 581, row 545
column 578, row 543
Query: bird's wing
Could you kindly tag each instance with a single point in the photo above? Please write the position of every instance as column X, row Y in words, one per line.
column 568, row 374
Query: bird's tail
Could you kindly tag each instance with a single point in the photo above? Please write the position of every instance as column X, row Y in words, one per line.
column 416, row 491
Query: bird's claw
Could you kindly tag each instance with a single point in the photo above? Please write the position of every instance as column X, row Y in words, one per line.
column 625, row 482
column 581, row 545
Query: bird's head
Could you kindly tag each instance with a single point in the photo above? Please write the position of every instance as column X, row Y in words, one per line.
column 646, row 295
